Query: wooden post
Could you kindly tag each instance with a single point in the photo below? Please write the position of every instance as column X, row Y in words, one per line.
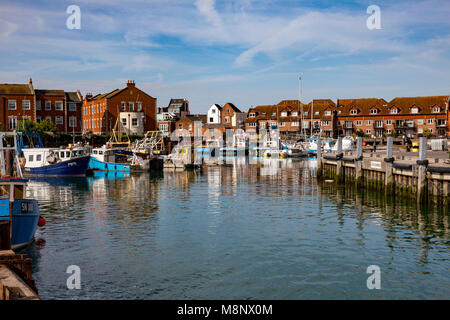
column 339, row 155
column 358, row 162
column 389, row 160
column 319, row 158
column 422, row 163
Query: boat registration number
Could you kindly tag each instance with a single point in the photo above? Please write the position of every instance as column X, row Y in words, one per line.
column 27, row 207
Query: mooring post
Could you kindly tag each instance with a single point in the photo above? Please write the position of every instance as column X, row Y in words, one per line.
column 358, row 161
column 319, row 158
column 422, row 171
column 389, row 160
column 339, row 155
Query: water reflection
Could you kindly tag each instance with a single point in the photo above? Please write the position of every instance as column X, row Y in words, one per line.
column 237, row 231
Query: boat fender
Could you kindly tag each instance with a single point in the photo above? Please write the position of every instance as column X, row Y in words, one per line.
column 41, row 221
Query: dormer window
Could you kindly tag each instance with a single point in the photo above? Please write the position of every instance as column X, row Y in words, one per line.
column 251, row 114
column 284, row 114
column 317, row 112
column 436, row 109
column 415, row 110
column 328, row 113
column 394, row 111
column 353, row 111
column 294, row 113
column 274, row 114
column 373, row 111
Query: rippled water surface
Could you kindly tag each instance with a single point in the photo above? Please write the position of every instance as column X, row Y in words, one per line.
column 265, row 231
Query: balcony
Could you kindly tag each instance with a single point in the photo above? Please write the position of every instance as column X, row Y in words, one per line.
column 348, row 125
column 441, row 125
column 378, row 125
column 404, row 125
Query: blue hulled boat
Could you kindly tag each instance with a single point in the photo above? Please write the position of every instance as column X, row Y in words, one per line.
column 105, row 159
column 23, row 213
column 56, row 162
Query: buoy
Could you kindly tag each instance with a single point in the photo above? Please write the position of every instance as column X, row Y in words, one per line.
column 41, row 221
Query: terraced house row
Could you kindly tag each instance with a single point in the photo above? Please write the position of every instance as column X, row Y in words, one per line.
column 409, row 116
column 22, row 101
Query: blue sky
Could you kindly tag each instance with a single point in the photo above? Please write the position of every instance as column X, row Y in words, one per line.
column 248, row 52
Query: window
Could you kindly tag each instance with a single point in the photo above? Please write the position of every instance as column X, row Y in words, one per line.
column 134, row 122
column 338, row 122
column 419, row 121
column 139, row 106
column 124, row 121
column 58, row 105
column 294, row 113
column 368, row 122
column 316, row 113
column 12, row 123
column 274, row 114
column 11, row 104
column 252, row 124
column 306, row 113
column 227, row 110
column 72, row 122
column 226, row 119
column 131, row 106
column 48, row 105
column 262, row 125
column 49, row 118
column 72, row 106
column 328, row 113
column 164, row 127
column 190, row 126
column 59, row 120
column 38, row 157
column 368, row 131
column 414, row 110
column 325, row 122
column 388, row 131
column 251, row 115
column 353, row 111
column 282, row 124
column 430, row 121
column 123, row 106
column 436, row 109
column 30, row 157
column 26, row 105
column 38, row 105
column 420, row 130
column 305, row 124
column 394, row 110
column 294, row 124
column 373, row 111
column 358, row 122
column 213, row 111
column 284, row 114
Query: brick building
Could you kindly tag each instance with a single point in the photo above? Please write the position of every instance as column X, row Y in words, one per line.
column 17, row 102
column 132, row 107
column 168, row 116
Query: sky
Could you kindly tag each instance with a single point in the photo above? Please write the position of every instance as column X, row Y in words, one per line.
column 248, row 52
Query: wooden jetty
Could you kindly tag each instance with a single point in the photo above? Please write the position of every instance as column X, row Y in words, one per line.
column 16, row 281
column 422, row 175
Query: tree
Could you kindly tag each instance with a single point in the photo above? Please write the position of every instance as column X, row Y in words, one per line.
column 45, row 126
column 426, row 133
column 360, row 133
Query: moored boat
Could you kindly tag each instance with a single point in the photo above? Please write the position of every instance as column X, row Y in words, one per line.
column 104, row 159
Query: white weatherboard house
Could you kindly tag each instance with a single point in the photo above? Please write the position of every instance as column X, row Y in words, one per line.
column 214, row 114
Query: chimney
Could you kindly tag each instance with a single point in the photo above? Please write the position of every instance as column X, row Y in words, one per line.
column 88, row 96
column 130, row 83
column 31, row 81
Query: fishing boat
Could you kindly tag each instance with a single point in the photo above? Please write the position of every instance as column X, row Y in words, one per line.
column 104, row 159
column 56, row 161
column 294, row 149
column 15, row 208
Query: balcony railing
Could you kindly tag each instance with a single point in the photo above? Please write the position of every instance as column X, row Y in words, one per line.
column 379, row 125
column 348, row 125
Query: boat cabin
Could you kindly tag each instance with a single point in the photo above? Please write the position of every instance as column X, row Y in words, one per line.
column 104, row 154
column 39, row 157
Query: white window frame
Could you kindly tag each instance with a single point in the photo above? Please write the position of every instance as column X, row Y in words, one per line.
column 415, row 110
column 139, row 106
column 59, row 120
column 131, row 106
column 48, row 106
column 59, row 108
column 72, row 106
column 29, row 105
column 38, row 104
column 251, row 115
column 133, row 120
column 12, row 122
column 72, row 122
column 10, row 103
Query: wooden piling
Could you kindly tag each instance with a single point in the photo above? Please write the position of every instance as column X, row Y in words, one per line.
column 358, row 162
column 389, row 160
column 422, row 164
column 339, row 155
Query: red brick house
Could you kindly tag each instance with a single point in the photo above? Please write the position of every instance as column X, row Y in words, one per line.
column 135, row 109
column 17, row 102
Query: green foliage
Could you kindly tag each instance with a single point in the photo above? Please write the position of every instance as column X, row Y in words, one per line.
column 427, row 133
column 360, row 133
column 45, row 126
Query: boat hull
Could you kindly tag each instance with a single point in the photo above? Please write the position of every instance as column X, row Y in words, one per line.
column 97, row 165
column 25, row 218
column 73, row 167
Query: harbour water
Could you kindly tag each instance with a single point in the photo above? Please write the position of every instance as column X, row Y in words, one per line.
column 265, row 231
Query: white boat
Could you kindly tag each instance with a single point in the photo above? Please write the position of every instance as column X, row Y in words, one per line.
column 56, row 161
column 348, row 144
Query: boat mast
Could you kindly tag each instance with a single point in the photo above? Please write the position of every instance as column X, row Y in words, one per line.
column 312, row 112
column 302, row 132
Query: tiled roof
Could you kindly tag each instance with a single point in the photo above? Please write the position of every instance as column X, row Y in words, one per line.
column 17, row 89
column 43, row 92
column 232, row 106
column 364, row 105
column 425, row 104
